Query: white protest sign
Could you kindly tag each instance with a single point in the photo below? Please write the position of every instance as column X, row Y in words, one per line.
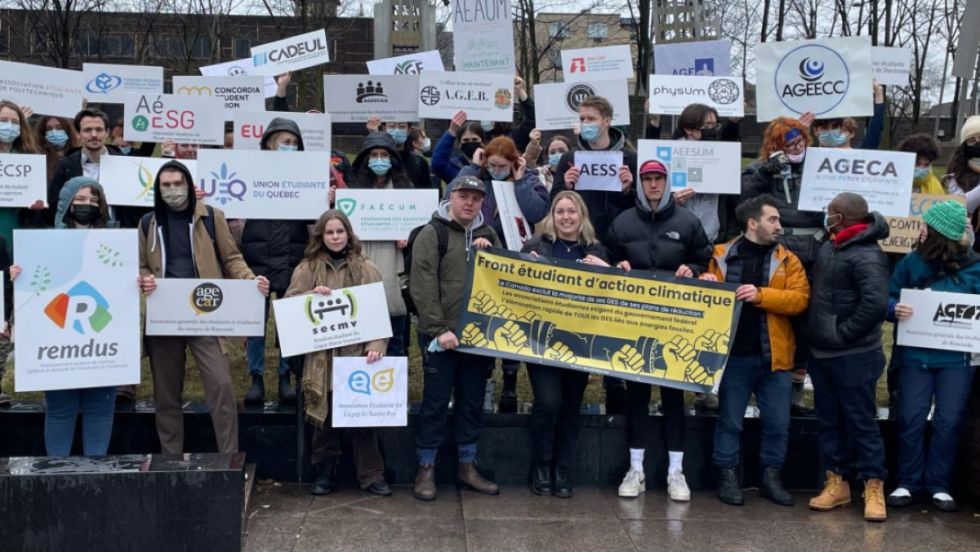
column 356, row 98
column 249, row 126
column 77, row 307
column 409, row 64
column 183, row 119
column 369, row 395
column 265, row 184
column 598, row 170
column 23, row 179
column 880, row 177
column 708, row 167
column 556, row 104
column 187, row 306
column 236, row 93
column 517, row 229
column 382, row 215
column 291, row 54
column 941, row 320
column 240, row 68
column 46, row 90
column 483, row 96
column 108, row 83
column 606, row 63
column 312, row 322
column 827, row 77
column 670, row 94
column 891, row 66
column 483, row 36
column 709, row 58
column 129, row 180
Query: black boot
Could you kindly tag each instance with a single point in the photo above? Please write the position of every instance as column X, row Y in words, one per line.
column 563, row 483
column 771, row 487
column 729, row 490
column 286, row 392
column 324, row 482
column 256, row 393
column 508, row 396
column 541, row 478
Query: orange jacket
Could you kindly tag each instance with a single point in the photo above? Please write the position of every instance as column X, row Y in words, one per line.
column 785, row 296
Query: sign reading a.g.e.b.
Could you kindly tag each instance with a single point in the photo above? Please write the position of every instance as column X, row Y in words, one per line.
column 191, row 307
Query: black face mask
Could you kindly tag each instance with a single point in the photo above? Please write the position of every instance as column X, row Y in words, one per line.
column 469, row 148
column 709, row 134
column 85, row 214
column 973, row 151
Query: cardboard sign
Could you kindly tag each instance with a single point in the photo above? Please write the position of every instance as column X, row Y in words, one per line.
column 183, row 119
column 556, row 105
column 709, row 58
column 236, row 93
column 291, row 54
column 881, row 177
column 107, row 83
column 357, row 98
column 483, row 96
column 23, row 179
column 370, row 395
column 606, row 63
column 517, row 229
column 827, row 77
column 483, row 36
column 599, row 170
column 904, row 231
column 385, row 215
column 240, row 68
column 312, row 322
column 708, row 167
column 670, row 94
column 194, row 307
column 265, row 184
column 46, row 90
column 249, row 126
column 77, row 307
column 941, row 320
column 891, row 66
column 409, row 64
column 129, row 180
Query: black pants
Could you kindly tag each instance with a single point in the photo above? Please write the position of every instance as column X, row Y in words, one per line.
column 557, row 407
column 638, row 404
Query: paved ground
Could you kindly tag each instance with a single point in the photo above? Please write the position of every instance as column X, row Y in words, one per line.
column 285, row 518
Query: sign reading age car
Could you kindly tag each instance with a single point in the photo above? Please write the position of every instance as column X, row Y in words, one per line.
column 193, row 307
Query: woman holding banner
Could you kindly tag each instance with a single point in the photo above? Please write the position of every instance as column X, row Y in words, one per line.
column 566, row 234
column 333, row 259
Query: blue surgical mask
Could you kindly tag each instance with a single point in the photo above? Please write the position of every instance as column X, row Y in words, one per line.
column 287, row 147
column 832, row 138
column 379, row 165
column 426, row 144
column 399, row 135
column 589, row 132
column 921, row 173
column 126, row 150
column 553, row 160
column 57, row 138
column 502, row 175
column 9, row 131
column 487, row 126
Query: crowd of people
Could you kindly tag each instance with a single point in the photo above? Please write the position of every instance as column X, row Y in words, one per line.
column 815, row 289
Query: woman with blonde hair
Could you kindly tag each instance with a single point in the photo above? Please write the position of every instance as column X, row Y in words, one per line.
column 333, row 259
column 566, row 234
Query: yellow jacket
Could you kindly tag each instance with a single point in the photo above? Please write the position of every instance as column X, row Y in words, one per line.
column 930, row 185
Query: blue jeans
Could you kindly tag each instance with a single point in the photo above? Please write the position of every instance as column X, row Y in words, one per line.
column 255, row 349
column 397, row 344
column 97, row 405
column 743, row 376
column 932, row 471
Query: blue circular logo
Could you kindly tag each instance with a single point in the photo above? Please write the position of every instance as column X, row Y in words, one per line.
column 812, row 78
column 811, row 69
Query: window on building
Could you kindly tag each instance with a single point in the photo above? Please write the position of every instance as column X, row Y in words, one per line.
column 243, row 48
column 174, row 46
column 558, row 29
column 597, row 31
column 117, row 46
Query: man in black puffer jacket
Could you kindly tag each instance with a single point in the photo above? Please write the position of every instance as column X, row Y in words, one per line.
column 848, row 302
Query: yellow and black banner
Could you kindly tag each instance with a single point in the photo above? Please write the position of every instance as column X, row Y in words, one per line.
column 644, row 326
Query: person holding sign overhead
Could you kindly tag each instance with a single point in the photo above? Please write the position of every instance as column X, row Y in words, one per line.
column 333, row 259
column 942, row 262
column 471, row 138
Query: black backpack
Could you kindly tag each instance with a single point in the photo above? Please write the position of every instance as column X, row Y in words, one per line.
column 442, row 239
column 208, row 225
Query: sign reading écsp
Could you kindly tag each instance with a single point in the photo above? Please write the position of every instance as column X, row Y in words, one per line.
column 129, row 180
column 107, row 83
column 188, row 306
column 670, row 94
column 483, row 96
column 881, row 177
column 556, row 104
column 370, row 395
column 356, row 98
column 235, row 93
column 22, row 179
column 291, row 54
column 183, row 119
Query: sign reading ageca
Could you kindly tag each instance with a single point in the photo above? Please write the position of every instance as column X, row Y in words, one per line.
column 370, row 395
column 881, row 177
column 192, row 307
column 183, row 119
column 709, row 58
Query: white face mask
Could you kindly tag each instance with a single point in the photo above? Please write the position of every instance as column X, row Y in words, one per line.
column 174, row 197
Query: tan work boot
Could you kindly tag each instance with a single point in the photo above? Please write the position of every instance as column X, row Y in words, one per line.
column 874, row 500
column 836, row 493
column 468, row 477
column 425, row 482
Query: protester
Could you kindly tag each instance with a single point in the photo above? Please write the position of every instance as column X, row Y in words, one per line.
column 848, row 303
column 942, row 262
column 56, row 136
column 82, row 204
column 657, row 235
column 414, row 164
column 207, row 250
column 557, row 147
column 333, row 260
column 566, row 234
column 772, row 287
column 471, row 138
column 436, row 285
column 964, row 166
column 699, row 122
column 926, row 151
column 16, row 137
column 838, row 132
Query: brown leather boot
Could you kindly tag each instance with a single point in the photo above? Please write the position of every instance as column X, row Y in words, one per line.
column 469, row 477
column 836, row 493
column 874, row 500
column 425, row 482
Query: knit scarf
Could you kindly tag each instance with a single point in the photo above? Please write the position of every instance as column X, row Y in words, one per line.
column 848, row 233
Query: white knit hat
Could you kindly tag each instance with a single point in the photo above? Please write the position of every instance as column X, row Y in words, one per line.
column 971, row 128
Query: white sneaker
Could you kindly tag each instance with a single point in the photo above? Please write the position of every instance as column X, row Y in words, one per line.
column 633, row 484
column 676, row 487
